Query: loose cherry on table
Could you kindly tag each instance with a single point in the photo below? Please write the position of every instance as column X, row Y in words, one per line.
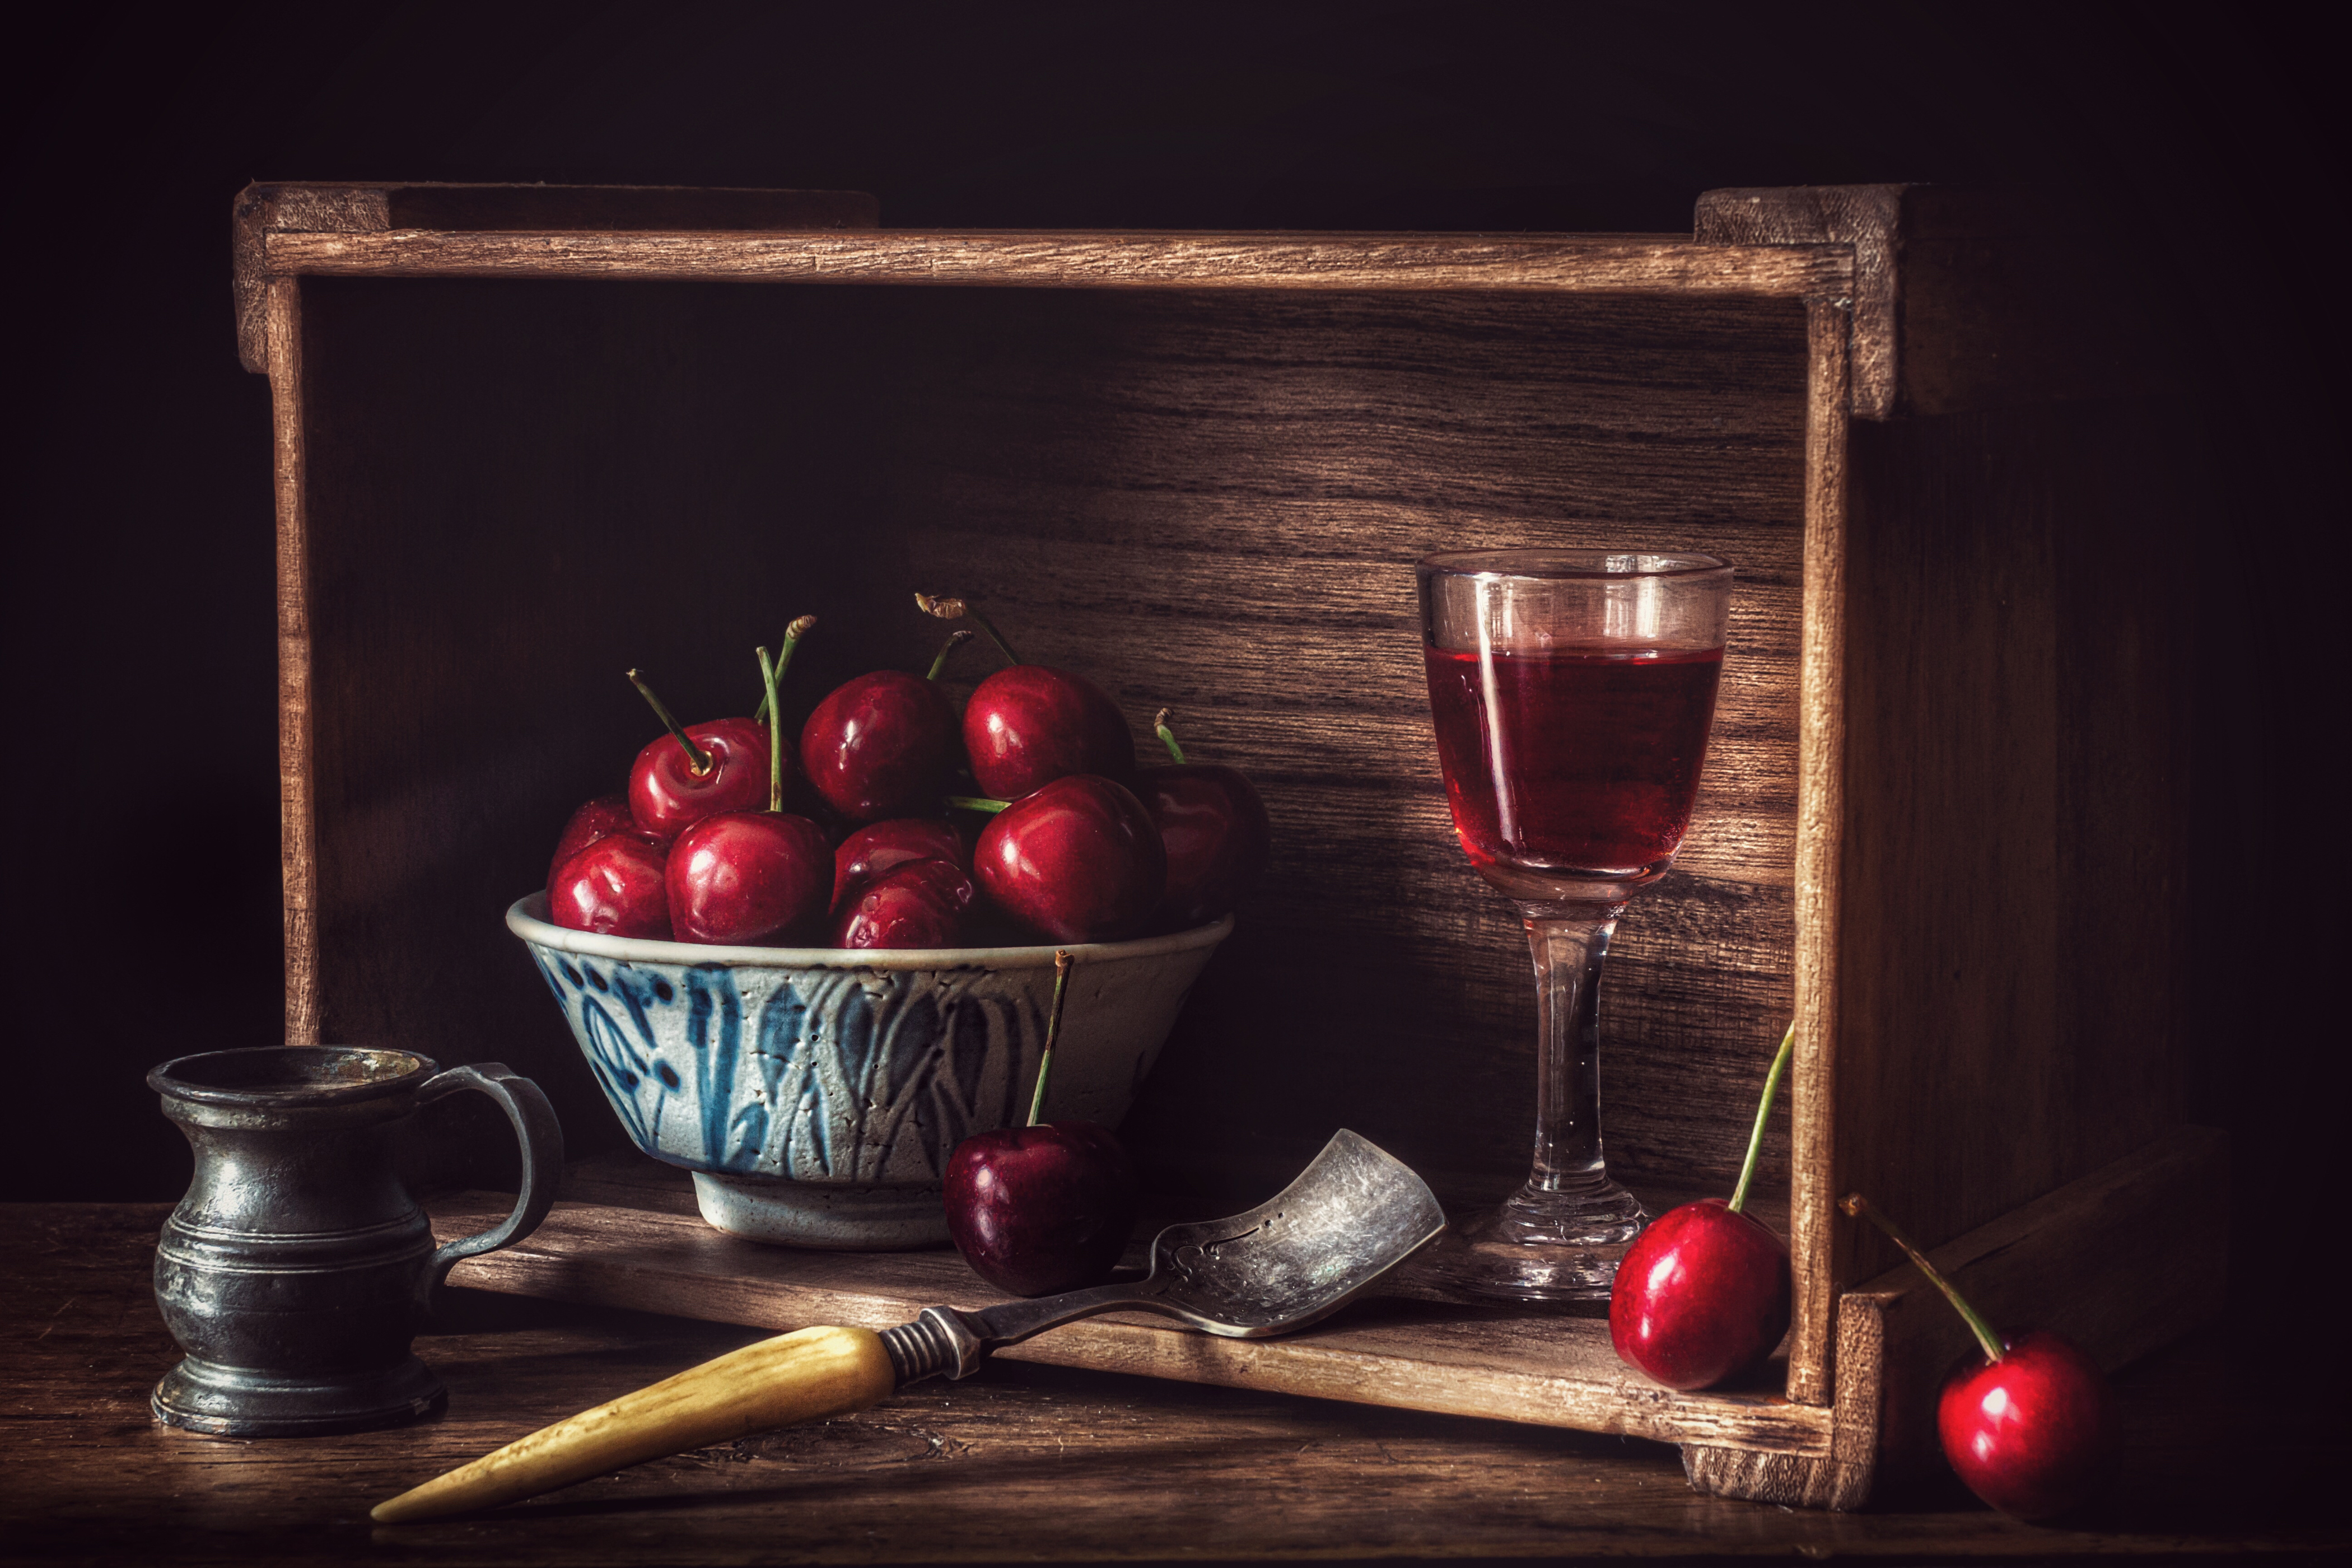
column 614, row 886
column 2031, row 1428
column 693, row 772
column 1702, row 1296
column 1028, row 725
column 880, row 846
column 1214, row 824
column 1038, row 1209
column 599, row 818
column 752, row 875
column 918, row 903
column 1077, row 860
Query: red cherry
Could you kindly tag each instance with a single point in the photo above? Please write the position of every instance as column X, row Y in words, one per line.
column 878, row 847
column 1039, row 1209
column 748, row 876
column 918, row 904
column 667, row 796
column 614, row 886
column 599, row 818
column 1701, row 1296
column 2033, row 1432
column 1027, row 725
column 1217, row 836
column 1078, row 860
column 881, row 745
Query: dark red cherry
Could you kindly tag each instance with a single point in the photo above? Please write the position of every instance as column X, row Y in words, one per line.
column 614, row 886
column 1077, row 860
column 1039, row 1209
column 2033, row 1433
column 599, row 818
column 920, row 903
column 667, row 796
column 1028, row 725
column 1218, row 839
column 881, row 745
column 749, row 877
column 878, row 846
column 1701, row 1296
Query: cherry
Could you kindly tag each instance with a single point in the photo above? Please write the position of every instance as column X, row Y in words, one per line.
column 599, row 818
column 752, row 875
column 920, row 903
column 881, row 745
column 1078, row 860
column 614, row 886
column 2031, row 1428
column 689, row 773
column 1214, row 828
column 1028, row 725
column 1702, row 1296
column 879, row 846
column 1038, row 1209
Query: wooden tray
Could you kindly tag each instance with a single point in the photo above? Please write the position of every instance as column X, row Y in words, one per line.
column 626, row 1234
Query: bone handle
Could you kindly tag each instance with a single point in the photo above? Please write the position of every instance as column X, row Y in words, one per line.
column 795, row 1377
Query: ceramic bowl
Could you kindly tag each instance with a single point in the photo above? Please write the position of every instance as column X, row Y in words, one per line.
column 817, row 1093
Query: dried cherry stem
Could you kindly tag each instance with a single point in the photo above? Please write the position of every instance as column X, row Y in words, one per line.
column 956, row 639
column 956, row 610
column 800, row 628
column 1994, row 1349
column 698, row 761
column 1167, row 736
column 977, row 803
column 1063, row 960
column 1764, row 1115
column 775, row 732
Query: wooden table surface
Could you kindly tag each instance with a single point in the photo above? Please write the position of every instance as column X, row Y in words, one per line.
column 1019, row 1463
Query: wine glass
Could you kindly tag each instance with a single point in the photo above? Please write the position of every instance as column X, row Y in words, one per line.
column 1572, row 692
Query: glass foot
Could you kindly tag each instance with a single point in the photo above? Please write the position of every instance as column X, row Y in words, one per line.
column 1545, row 1246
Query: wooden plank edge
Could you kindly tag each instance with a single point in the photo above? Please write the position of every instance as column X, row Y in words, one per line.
column 1568, row 263
column 1813, row 1242
column 574, row 1265
column 297, row 822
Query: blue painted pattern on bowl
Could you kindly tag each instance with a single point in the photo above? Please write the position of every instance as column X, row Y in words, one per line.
column 816, row 1066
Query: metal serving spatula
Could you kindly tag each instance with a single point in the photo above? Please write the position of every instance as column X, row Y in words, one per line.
column 1351, row 1215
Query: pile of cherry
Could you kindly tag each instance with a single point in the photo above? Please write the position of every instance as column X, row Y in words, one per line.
column 1080, row 844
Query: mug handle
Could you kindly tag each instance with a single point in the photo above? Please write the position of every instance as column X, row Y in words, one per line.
column 542, row 1162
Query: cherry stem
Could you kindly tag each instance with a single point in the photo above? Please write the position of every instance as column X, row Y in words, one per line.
column 977, row 803
column 1856, row 1203
column 775, row 732
column 1763, row 1115
column 800, row 628
column 698, row 761
column 1062, row 962
column 1167, row 736
column 956, row 639
column 956, row 610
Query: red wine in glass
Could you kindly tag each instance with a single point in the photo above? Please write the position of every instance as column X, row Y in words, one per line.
column 1571, row 692
column 1582, row 758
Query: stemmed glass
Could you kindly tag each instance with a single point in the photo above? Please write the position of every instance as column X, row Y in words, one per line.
column 1572, row 691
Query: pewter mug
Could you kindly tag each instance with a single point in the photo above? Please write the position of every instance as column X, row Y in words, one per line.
column 298, row 1269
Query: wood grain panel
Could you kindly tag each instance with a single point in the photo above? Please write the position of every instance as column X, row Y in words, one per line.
column 1636, row 264
column 1208, row 500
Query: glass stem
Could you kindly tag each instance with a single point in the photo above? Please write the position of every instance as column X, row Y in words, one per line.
column 1569, row 945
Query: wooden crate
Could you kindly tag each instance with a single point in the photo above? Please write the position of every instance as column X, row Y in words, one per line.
column 527, row 437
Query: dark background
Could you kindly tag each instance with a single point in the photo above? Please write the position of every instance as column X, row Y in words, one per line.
column 142, row 888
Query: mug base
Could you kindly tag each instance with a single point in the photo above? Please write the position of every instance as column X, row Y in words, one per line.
column 238, row 1402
